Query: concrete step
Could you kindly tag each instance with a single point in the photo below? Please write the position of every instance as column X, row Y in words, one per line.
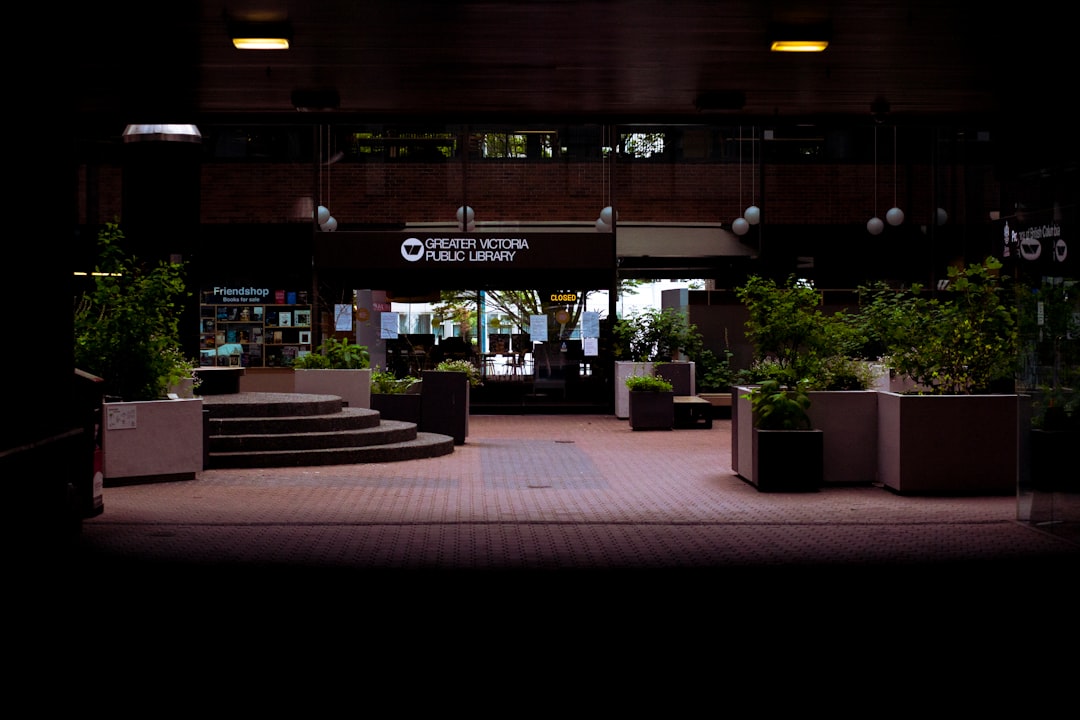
column 300, row 436
column 424, row 445
column 262, row 430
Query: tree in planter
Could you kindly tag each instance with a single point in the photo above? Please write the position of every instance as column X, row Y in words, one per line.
column 961, row 344
column 795, row 342
column 656, row 336
column 127, row 326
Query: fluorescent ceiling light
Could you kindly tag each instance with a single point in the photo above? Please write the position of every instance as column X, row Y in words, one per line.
column 260, row 35
column 800, row 37
column 260, row 43
column 799, row 45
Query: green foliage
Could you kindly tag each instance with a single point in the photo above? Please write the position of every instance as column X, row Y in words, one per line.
column 959, row 344
column 656, row 336
column 714, row 374
column 462, row 366
column 647, row 383
column 779, row 407
column 127, row 326
column 794, row 340
column 384, row 382
column 335, row 354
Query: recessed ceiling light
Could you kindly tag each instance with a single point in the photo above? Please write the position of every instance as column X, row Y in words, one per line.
column 260, row 36
column 801, row 37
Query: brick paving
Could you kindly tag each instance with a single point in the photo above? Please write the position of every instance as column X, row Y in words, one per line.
column 552, row 492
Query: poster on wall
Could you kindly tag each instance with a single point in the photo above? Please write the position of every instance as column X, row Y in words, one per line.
column 388, row 322
column 590, row 324
column 343, row 317
column 538, row 328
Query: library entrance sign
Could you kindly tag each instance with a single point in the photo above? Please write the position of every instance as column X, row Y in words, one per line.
column 492, row 260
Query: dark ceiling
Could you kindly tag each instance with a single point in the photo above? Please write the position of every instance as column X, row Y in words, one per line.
column 539, row 61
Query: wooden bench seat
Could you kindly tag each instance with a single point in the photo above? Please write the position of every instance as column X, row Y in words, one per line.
column 693, row 412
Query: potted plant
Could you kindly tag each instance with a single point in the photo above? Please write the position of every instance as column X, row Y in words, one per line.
column 956, row 430
column 651, row 402
column 798, row 344
column 336, row 367
column 127, row 333
column 788, row 452
column 396, row 398
column 445, row 398
column 653, row 336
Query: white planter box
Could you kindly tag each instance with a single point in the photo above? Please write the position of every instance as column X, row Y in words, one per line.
column 154, row 439
column 848, row 421
column 352, row 386
column 623, row 370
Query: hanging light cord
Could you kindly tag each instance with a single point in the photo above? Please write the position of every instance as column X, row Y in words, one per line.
column 894, row 166
column 875, row 171
column 753, row 166
column 740, row 166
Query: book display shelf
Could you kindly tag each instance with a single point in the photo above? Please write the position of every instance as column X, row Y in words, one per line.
column 254, row 334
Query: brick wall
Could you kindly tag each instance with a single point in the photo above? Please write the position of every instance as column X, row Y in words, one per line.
column 380, row 193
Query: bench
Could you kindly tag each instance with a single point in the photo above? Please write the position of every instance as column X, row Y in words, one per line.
column 693, row 412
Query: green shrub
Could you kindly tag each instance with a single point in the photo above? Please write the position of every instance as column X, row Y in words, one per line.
column 648, row 383
column 778, row 407
column 384, row 382
column 127, row 325
column 462, row 366
column 335, row 354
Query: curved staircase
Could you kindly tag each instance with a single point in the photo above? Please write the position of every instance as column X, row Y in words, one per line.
column 258, row 429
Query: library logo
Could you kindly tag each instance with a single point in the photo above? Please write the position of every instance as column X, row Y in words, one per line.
column 412, row 249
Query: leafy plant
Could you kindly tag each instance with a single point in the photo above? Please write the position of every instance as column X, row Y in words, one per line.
column 127, row 326
column 648, row 383
column 794, row 340
column 464, row 366
column 656, row 336
column 335, row 354
column 384, row 382
column 959, row 344
column 779, row 407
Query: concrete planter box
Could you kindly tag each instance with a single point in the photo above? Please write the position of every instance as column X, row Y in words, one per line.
column 650, row 410
column 787, row 460
column 405, row 407
column 445, row 404
column 152, row 440
column 623, row 370
column 679, row 374
column 848, row 422
column 352, row 386
column 848, row 418
column 949, row 444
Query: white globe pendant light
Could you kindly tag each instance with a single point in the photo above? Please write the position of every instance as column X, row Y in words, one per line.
column 740, row 226
column 895, row 216
column 324, row 214
column 874, row 226
column 753, row 214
